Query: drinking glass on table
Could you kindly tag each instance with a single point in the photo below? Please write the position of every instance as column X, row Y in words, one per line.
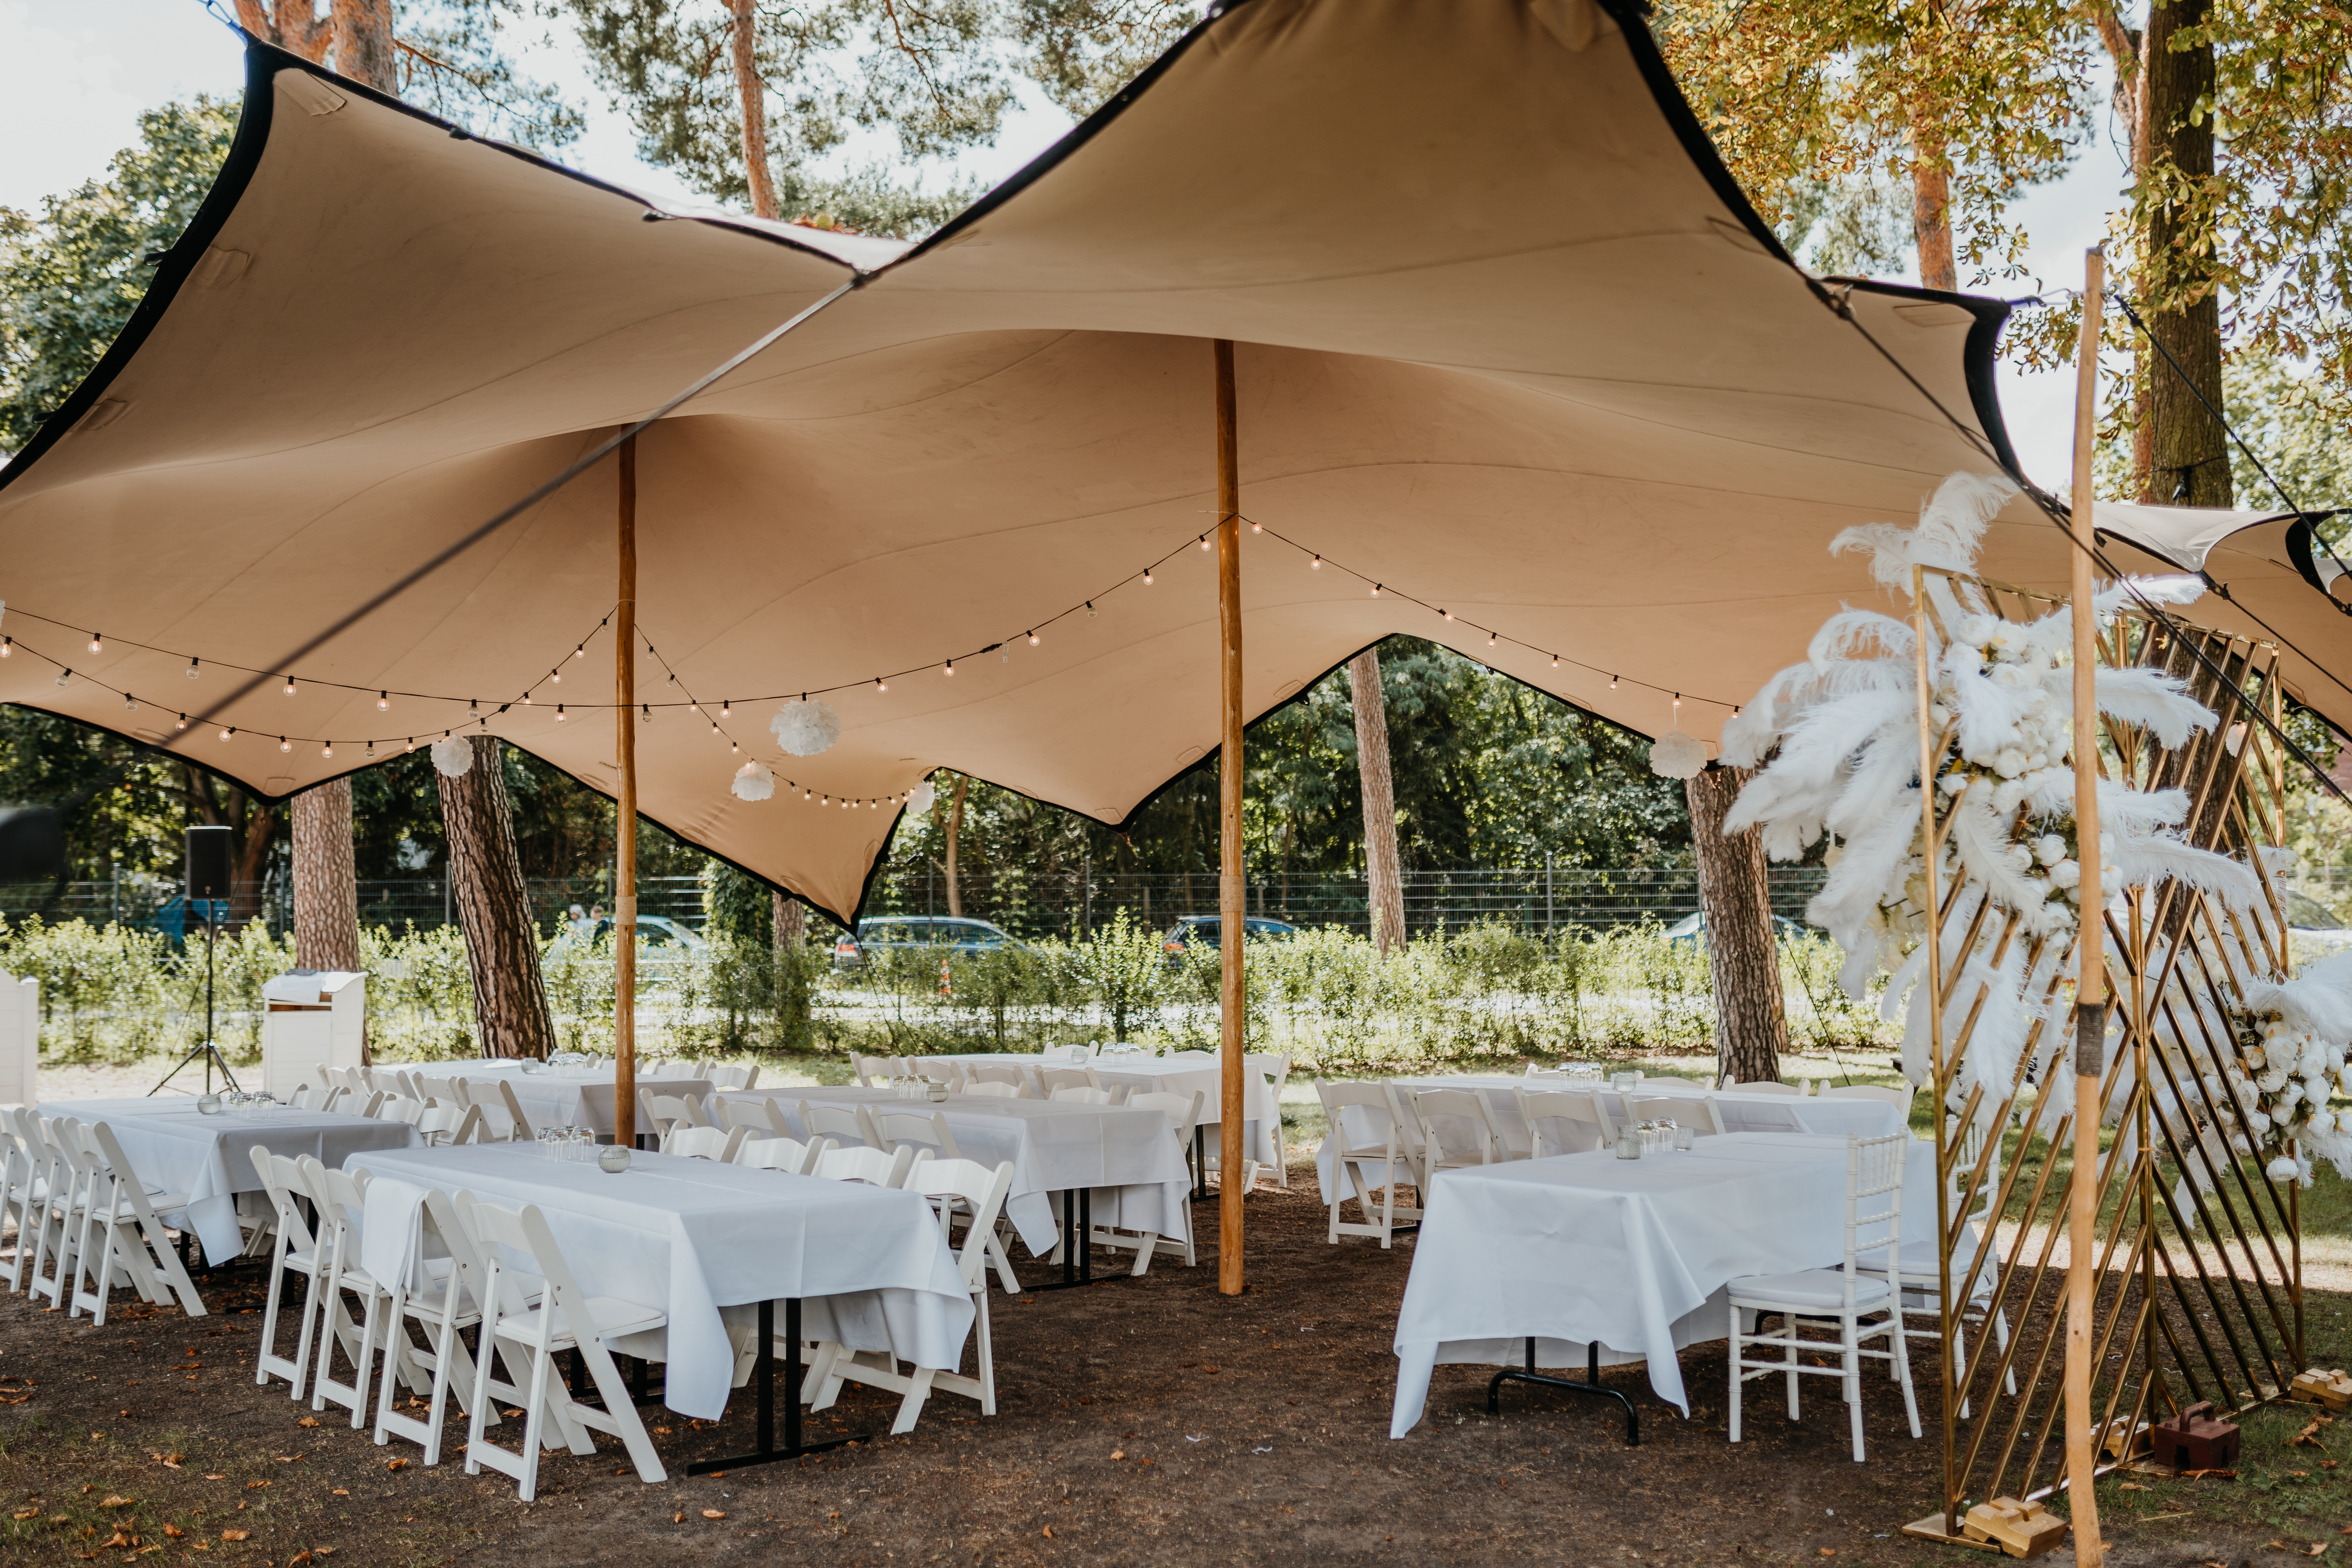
column 1623, row 1081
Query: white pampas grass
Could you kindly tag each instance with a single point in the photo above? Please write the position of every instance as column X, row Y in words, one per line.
column 805, row 728
column 753, row 780
column 452, row 755
column 920, row 798
column 1676, row 755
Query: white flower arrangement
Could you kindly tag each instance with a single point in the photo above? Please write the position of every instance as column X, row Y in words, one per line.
column 1837, row 739
column 453, row 754
column 753, row 780
column 804, row 727
column 1676, row 755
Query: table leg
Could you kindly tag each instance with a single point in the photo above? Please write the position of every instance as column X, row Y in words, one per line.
column 1199, row 1164
column 764, row 1375
column 1590, row 1387
column 1077, row 1236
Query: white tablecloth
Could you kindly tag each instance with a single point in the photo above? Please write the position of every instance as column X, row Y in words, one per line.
column 175, row 1148
column 1741, row 1113
column 1582, row 1247
column 688, row 1238
column 1172, row 1075
column 1127, row 1159
column 556, row 1096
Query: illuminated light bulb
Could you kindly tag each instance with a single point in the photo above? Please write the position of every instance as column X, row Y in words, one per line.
column 527, row 702
column 560, row 715
column 1147, row 579
column 1612, row 683
column 182, row 723
column 227, row 734
column 733, row 746
column 1490, row 639
column 411, row 744
column 579, row 652
column 328, row 750
column 1204, row 542
column 1257, row 527
column 555, row 677
column 1316, row 564
column 1090, row 609
column 8, row 646
column 880, row 684
column 371, row 748
column 1032, row 639
column 714, row 726
column 290, row 686
column 649, row 712
column 951, row 667
column 1447, row 614
column 97, row 643
column 383, row 702
column 1376, row 590
column 808, row 795
column 192, row 669
column 1555, row 662
column 825, row 800
column 725, row 708
column 1678, row 708
column 283, row 744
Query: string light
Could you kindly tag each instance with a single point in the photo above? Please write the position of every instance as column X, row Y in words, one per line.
column 371, row 748
column 64, row 676
column 579, row 652
column 411, row 744
column 1032, row 639
column 1090, row 609
column 182, row 723
column 559, row 713
column 290, row 686
column 191, row 668
column 952, row 663
column 129, row 701
column 880, row 684
column 1376, row 590
column 1490, row 639
column 97, row 643
column 1447, row 614
column 283, row 744
column 1678, row 708
column 1612, row 683
column 649, row 712
column 8, row 646
column 726, row 709
column 227, row 734
column 1555, row 662
column 328, row 750
column 555, row 677
column 1204, row 542
column 383, row 702
column 1147, row 576
column 1316, row 564
column 1257, row 527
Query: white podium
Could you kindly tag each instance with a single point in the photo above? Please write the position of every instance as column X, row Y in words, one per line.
column 310, row 1020
column 20, row 1040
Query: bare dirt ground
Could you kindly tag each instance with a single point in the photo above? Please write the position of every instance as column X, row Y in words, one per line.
column 1140, row 1422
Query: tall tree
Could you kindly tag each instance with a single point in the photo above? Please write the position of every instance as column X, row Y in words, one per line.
column 1383, row 871
column 486, row 884
column 1751, row 1024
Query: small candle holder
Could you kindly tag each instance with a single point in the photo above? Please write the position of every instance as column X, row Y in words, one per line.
column 612, row 1158
column 208, row 1105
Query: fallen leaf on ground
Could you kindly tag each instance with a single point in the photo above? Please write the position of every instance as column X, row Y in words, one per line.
column 1049, row 1532
column 713, row 1513
column 235, row 1534
column 173, row 1532
column 115, row 1500
column 1118, row 1453
column 2131, row 1487
column 251, row 1485
column 396, row 1465
column 2309, row 1434
column 307, row 1421
column 679, row 1518
column 211, row 1478
column 343, row 1492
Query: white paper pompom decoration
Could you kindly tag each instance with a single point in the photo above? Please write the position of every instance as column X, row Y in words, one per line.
column 453, row 754
column 753, row 780
column 806, row 728
column 1678, row 756
column 920, row 798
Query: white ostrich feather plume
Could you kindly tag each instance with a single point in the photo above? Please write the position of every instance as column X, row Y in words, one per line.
column 2159, row 702
column 805, row 728
column 1950, row 528
column 753, row 780
column 452, row 755
column 1676, row 755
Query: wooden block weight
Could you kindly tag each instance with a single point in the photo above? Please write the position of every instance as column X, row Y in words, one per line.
column 2019, row 1528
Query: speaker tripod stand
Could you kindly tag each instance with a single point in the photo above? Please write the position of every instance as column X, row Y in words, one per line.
column 207, row 1049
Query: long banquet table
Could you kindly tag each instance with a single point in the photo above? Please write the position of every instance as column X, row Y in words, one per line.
column 1632, row 1254
column 692, row 1238
column 1169, row 1075
column 1127, row 1160
column 1741, row 1113
column 175, row 1148
column 557, row 1096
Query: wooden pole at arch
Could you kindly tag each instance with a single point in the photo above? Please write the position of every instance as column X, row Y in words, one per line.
column 1231, row 1140
column 625, row 826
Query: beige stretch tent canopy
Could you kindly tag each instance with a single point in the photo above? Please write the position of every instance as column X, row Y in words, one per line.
column 1511, row 344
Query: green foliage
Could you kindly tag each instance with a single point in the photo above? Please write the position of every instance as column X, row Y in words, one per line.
column 70, row 278
column 1082, row 51
column 736, row 905
column 452, row 66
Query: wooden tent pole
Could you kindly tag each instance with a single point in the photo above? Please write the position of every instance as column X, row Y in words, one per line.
column 625, row 827
column 2091, row 987
column 1231, row 1152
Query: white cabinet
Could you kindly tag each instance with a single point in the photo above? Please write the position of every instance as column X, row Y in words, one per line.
column 310, row 1020
column 20, row 1040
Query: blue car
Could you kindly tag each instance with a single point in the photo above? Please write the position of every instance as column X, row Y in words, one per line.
column 945, row 936
column 1693, row 928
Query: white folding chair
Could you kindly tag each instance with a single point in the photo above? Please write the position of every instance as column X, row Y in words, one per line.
column 1761, row 1086
column 33, row 1179
column 962, row 1186
column 1858, row 1303
column 130, row 1213
column 734, row 1077
column 400, row 1108
column 1273, row 1087
column 706, row 1142
column 443, row 1298
column 1184, row 1113
column 1563, row 1121
column 340, row 1196
column 869, row 1166
column 780, row 1153
column 566, row 1317
column 1385, row 1151
column 1458, row 1129
column 868, row 1068
column 295, row 1250
column 57, row 1233
column 1054, row 1079
column 765, row 1118
column 17, row 1194
column 993, row 1090
column 518, row 1129
column 1696, row 1111
column 669, row 1110
column 1677, row 1082
column 1079, row 1094
column 978, row 1073
column 893, row 1128
column 948, row 1073
column 445, row 1124
column 1900, row 1098
column 846, row 1124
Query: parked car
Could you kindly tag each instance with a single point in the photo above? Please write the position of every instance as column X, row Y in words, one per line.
column 948, row 936
column 1208, row 930
column 2316, row 928
column 1692, row 927
column 660, row 939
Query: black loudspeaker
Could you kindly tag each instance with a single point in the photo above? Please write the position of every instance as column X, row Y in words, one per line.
column 32, row 844
column 208, row 862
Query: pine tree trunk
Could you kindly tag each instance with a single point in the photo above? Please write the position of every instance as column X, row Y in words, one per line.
column 1382, row 872
column 252, row 864
column 788, row 919
column 1931, row 209
column 486, row 882
column 955, row 831
column 2189, row 460
column 1752, row 1026
column 751, row 101
column 363, row 46
column 326, row 890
